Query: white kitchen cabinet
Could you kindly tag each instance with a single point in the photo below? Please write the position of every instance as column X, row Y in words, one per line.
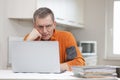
column 21, row 9
column 67, row 12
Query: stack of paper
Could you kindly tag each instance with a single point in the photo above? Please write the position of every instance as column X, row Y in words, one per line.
column 95, row 71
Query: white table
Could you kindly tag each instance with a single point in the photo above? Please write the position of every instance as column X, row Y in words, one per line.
column 9, row 75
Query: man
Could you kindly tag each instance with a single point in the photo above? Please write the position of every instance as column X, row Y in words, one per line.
column 44, row 29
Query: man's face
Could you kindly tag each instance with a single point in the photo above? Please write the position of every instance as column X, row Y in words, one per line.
column 45, row 27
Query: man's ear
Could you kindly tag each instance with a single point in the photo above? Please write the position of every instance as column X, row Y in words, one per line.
column 55, row 24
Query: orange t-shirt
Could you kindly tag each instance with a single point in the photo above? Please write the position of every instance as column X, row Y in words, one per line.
column 66, row 40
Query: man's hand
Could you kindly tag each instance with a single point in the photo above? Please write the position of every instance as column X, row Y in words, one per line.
column 34, row 35
column 64, row 67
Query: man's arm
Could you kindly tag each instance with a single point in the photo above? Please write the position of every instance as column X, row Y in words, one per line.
column 74, row 57
column 34, row 35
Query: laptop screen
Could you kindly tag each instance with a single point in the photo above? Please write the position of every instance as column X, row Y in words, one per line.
column 35, row 56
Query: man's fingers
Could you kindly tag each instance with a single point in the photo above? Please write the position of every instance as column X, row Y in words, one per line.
column 34, row 35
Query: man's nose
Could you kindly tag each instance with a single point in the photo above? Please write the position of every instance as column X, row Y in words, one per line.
column 44, row 29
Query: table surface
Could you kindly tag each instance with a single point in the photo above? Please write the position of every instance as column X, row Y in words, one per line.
column 8, row 74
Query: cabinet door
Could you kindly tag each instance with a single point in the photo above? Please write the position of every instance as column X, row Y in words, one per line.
column 21, row 9
column 55, row 5
column 66, row 11
column 74, row 11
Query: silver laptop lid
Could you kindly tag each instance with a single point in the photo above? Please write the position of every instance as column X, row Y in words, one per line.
column 35, row 56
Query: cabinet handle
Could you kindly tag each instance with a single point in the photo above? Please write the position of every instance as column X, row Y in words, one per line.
column 80, row 23
column 59, row 18
column 71, row 21
column 76, row 22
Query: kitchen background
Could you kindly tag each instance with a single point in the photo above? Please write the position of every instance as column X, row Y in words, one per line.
column 93, row 30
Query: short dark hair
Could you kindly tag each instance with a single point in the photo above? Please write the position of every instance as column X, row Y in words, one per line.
column 42, row 13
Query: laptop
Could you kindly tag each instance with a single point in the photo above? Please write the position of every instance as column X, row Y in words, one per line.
column 35, row 56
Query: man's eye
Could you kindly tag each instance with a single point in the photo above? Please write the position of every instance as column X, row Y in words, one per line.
column 40, row 26
column 48, row 25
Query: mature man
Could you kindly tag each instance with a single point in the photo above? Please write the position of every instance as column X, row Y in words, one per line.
column 44, row 29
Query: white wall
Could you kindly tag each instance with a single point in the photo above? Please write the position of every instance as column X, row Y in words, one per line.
column 1, row 31
column 95, row 28
column 1, row 13
column 9, row 28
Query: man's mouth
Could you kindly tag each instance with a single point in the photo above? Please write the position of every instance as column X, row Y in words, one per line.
column 44, row 35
